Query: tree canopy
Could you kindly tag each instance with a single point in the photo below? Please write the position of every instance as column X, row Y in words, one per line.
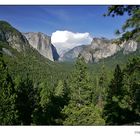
column 131, row 28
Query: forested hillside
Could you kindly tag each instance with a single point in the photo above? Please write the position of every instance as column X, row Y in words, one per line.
column 58, row 96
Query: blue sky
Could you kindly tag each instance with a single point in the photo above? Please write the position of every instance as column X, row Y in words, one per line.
column 48, row 19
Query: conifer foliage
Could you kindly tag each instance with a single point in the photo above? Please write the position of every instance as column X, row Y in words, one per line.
column 80, row 83
column 8, row 112
column 77, row 100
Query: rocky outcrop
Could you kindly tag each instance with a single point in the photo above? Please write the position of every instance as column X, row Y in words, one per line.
column 98, row 49
column 13, row 37
column 42, row 43
column 54, row 53
column 7, row 52
column 130, row 46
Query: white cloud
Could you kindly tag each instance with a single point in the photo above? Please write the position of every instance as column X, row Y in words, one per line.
column 65, row 40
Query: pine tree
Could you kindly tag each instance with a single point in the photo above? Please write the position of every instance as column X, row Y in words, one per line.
column 8, row 112
column 37, row 109
column 84, row 115
column 131, row 99
column 81, row 110
column 53, row 102
column 61, row 99
column 112, row 110
column 122, row 105
column 81, row 91
column 59, row 90
column 62, row 92
column 45, row 99
column 27, row 101
column 103, row 81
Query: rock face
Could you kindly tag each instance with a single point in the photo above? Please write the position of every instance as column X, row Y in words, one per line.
column 72, row 54
column 98, row 49
column 6, row 51
column 42, row 43
column 130, row 46
column 13, row 37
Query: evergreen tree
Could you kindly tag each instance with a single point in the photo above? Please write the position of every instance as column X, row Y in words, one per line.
column 112, row 110
column 81, row 110
column 59, row 90
column 81, row 91
column 8, row 112
column 122, row 105
column 54, row 102
column 103, row 81
column 132, row 89
column 37, row 109
column 45, row 99
column 84, row 115
column 62, row 92
column 60, row 100
column 27, row 101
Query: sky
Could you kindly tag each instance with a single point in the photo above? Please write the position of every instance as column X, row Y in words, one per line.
column 66, row 21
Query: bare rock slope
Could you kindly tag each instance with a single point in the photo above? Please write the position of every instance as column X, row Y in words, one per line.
column 42, row 43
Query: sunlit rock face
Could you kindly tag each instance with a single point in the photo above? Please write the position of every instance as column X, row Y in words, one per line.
column 130, row 46
column 98, row 49
column 42, row 43
column 13, row 37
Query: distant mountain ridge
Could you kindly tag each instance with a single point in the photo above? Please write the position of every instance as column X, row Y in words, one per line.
column 72, row 54
column 100, row 48
column 26, row 42
column 39, row 43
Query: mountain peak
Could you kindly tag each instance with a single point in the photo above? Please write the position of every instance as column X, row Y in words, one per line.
column 12, row 36
column 4, row 23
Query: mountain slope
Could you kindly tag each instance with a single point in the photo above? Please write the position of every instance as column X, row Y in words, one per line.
column 72, row 54
column 13, row 37
column 23, row 59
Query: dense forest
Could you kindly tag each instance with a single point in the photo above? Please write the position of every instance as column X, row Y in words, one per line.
column 36, row 91
column 81, row 97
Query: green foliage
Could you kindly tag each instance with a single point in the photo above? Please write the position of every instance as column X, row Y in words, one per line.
column 6, row 26
column 102, row 85
column 122, row 105
column 119, row 10
column 27, row 102
column 59, row 90
column 80, row 83
column 8, row 112
column 132, row 87
column 81, row 110
column 83, row 115
column 54, row 96
column 131, row 28
column 112, row 110
column 53, row 102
